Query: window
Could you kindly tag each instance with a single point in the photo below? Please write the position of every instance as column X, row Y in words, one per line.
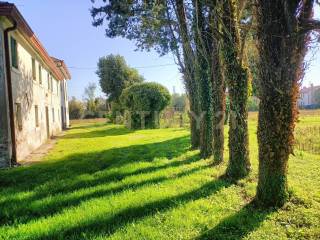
column 34, row 74
column 51, row 83
column 57, row 88
column 40, row 74
column 53, row 118
column 19, row 116
column 48, row 78
column 36, row 111
column 14, row 53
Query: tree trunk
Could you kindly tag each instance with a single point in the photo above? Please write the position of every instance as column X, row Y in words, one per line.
column 193, row 95
column 206, row 132
column 218, row 94
column 237, row 82
column 282, row 48
column 191, row 84
column 203, row 69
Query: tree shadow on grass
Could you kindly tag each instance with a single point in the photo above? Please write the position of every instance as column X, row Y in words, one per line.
column 25, row 212
column 88, row 126
column 239, row 225
column 64, row 176
column 71, row 166
column 109, row 225
column 99, row 133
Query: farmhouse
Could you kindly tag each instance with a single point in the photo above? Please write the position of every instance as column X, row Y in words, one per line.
column 33, row 89
column 308, row 96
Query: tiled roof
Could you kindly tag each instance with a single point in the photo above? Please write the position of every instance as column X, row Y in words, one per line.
column 11, row 12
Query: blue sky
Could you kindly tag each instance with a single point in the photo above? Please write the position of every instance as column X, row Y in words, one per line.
column 64, row 28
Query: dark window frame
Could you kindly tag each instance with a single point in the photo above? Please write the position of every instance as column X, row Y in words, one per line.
column 34, row 71
column 14, row 53
column 40, row 74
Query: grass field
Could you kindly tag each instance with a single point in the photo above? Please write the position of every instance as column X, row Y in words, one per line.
column 106, row 182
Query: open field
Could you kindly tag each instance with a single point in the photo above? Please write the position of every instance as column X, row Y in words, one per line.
column 106, row 182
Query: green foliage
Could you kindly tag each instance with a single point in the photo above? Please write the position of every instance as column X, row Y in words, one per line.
column 90, row 100
column 115, row 75
column 76, row 109
column 155, row 25
column 96, row 107
column 116, row 112
column 145, row 98
column 179, row 102
column 148, row 23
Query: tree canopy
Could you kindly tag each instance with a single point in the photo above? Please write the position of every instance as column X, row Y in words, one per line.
column 144, row 102
column 115, row 75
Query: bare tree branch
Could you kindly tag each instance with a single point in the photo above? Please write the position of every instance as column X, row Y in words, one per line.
column 310, row 24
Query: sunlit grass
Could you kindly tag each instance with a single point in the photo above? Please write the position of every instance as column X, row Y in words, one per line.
column 106, row 182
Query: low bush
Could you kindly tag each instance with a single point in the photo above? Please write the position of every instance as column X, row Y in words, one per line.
column 143, row 103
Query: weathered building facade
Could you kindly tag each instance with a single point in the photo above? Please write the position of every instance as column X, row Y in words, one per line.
column 308, row 96
column 33, row 89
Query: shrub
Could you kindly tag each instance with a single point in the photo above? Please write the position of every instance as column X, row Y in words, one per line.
column 116, row 112
column 144, row 102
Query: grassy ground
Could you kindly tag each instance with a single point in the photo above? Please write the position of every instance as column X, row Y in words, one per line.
column 106, row 182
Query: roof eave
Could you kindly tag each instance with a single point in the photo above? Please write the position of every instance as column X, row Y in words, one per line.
column 10, row 11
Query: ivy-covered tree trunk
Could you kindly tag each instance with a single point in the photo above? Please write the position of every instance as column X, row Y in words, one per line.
column 193, row 96
column 282, row 47
column 237, row 82
column 189, row 73
column 206, row 132
column 218, row 95
column 203, row 70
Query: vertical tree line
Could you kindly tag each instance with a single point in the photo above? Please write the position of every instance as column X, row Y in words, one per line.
column 237, row 81
column 208, row 39
column 202, row 41
column 283, row 29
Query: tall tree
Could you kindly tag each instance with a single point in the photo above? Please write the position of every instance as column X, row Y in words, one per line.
column 115, row 75
column 202, row 70
column 90, row 96
column 189, row 57
column 283, row 28
column 237, row 80
column 218, row 84
column 156, row 25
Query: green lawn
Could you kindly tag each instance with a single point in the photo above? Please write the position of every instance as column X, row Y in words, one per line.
column 106, row 182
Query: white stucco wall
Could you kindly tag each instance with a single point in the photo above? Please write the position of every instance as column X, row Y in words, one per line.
column 64, row 103
column 30, row 93
column 307, row 96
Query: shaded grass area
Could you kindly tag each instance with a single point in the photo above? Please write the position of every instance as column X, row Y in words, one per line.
column 106, row 182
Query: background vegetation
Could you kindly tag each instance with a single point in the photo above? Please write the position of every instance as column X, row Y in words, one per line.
column 144, row 103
